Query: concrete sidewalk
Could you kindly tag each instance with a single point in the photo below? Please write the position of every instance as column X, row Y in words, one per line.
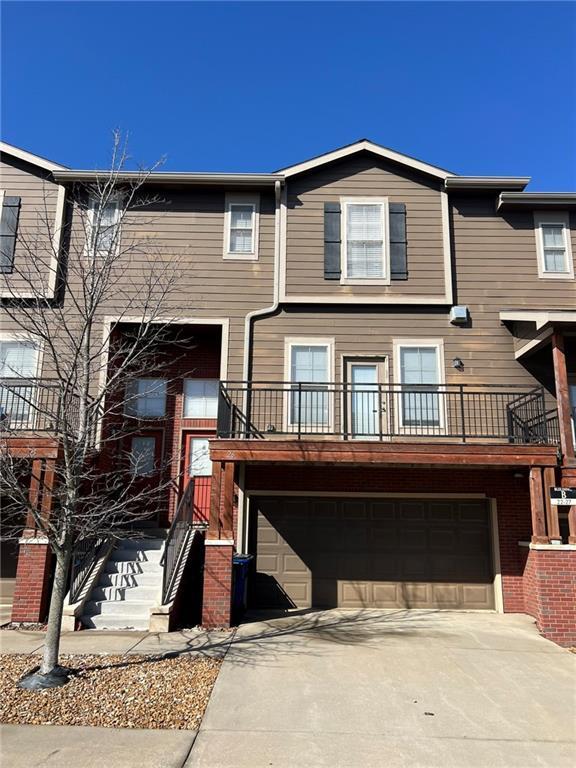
column 60, row 746
column 94, row 641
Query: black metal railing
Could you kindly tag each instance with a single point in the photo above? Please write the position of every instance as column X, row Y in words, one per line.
column 86, row 555
column 37, row 405
column 176, row 540
column 461, row 412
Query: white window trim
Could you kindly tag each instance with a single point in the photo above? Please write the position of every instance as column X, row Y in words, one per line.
column 92, row 203
column 558, row 218
column 344, row 203
column 438, row 345
column 27, row 338
column 38, row 362
column 310, row 341
column 241, row 199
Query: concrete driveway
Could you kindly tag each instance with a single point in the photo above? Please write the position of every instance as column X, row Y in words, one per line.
column 391, row 688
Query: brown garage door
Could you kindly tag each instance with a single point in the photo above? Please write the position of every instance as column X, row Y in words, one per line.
column 383, row 553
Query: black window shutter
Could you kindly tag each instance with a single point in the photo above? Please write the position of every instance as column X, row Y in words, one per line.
column 332, row 241
column 8, row 230
column 398, row 256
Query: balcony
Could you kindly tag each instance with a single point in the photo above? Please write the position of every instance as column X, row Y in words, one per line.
column 36, row 406
column 456, row 413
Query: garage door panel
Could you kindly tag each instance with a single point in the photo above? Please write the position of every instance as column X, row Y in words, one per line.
column 383, row 510
column 383, row 553
column 412, row 510
column 353, row 594
column 442, row 539
column 413, row 539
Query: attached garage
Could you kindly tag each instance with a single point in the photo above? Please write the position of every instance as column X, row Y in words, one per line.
column 377, row 552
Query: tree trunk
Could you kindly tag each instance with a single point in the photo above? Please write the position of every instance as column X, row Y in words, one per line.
column 53, row 630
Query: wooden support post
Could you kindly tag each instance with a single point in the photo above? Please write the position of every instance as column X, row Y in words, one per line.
column 537, row 507
column 562, row 395
column 228, row 502
column 215, row 495
column 552, row 523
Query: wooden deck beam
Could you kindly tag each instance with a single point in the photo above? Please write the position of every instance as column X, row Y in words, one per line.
column 31, row 447
column 368, row 452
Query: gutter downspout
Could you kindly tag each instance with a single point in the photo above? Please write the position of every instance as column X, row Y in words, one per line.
column 251, row 317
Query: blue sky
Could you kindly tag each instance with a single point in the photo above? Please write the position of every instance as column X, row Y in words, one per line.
column 477, row 88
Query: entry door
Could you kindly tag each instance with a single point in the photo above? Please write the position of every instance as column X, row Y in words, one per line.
column 366, row 402
column 146, row 462
column 199, row 467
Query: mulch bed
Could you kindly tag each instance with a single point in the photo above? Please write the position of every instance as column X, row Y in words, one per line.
column 113, row 692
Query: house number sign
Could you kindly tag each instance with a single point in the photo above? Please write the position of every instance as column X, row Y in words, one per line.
column 562, row 497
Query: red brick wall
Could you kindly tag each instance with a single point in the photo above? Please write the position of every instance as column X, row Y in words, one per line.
column 511, row 494
column 32, row 583
column 550, row 593
column 217, row 603
column 196, row 354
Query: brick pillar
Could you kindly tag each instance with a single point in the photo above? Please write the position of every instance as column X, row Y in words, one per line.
column 217, row 594
column 550, row 592
column 32, row 582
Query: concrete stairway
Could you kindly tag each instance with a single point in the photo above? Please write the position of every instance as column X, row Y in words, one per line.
column 130, row 585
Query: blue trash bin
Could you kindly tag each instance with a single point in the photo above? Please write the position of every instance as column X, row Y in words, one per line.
column 241, row 564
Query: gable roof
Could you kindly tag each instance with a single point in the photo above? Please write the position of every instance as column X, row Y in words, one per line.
column 365, row 145
column 28, row 157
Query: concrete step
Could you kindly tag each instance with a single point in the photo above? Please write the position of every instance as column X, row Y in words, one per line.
column 7, row 587
column 147, row 579
column 150, row 594
column 115, row 622
column 137, row 555
column 132, row 566
column 139, row 608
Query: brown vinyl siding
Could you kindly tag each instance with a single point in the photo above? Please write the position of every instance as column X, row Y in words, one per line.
column 36, row 222
column 363, row 176
column 486, row 348
column 497, row 263
column 185, row 228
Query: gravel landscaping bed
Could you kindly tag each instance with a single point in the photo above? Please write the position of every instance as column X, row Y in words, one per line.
column 113, row 692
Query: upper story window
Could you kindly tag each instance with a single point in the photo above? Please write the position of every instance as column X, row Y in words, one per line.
column 200, row 398
column 10, row 211
column 553, row 245
column 146, row 398
column 365, row 240
column 241, row 227
column 104, row 225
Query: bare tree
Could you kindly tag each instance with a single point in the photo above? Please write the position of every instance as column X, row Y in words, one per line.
column 108, row 264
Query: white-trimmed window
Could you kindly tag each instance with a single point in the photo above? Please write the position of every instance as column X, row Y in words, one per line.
column 553, row 245
column 309, row 371
column 146, row 398
column 241, row 227
column 201, row 398
column 18, row 360
column 419, row 369
column 365, row 247
column 104, row 225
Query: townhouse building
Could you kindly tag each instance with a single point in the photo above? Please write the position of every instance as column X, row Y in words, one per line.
column 378, row 396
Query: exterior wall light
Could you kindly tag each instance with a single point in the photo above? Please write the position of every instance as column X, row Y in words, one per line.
column 458, row 363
